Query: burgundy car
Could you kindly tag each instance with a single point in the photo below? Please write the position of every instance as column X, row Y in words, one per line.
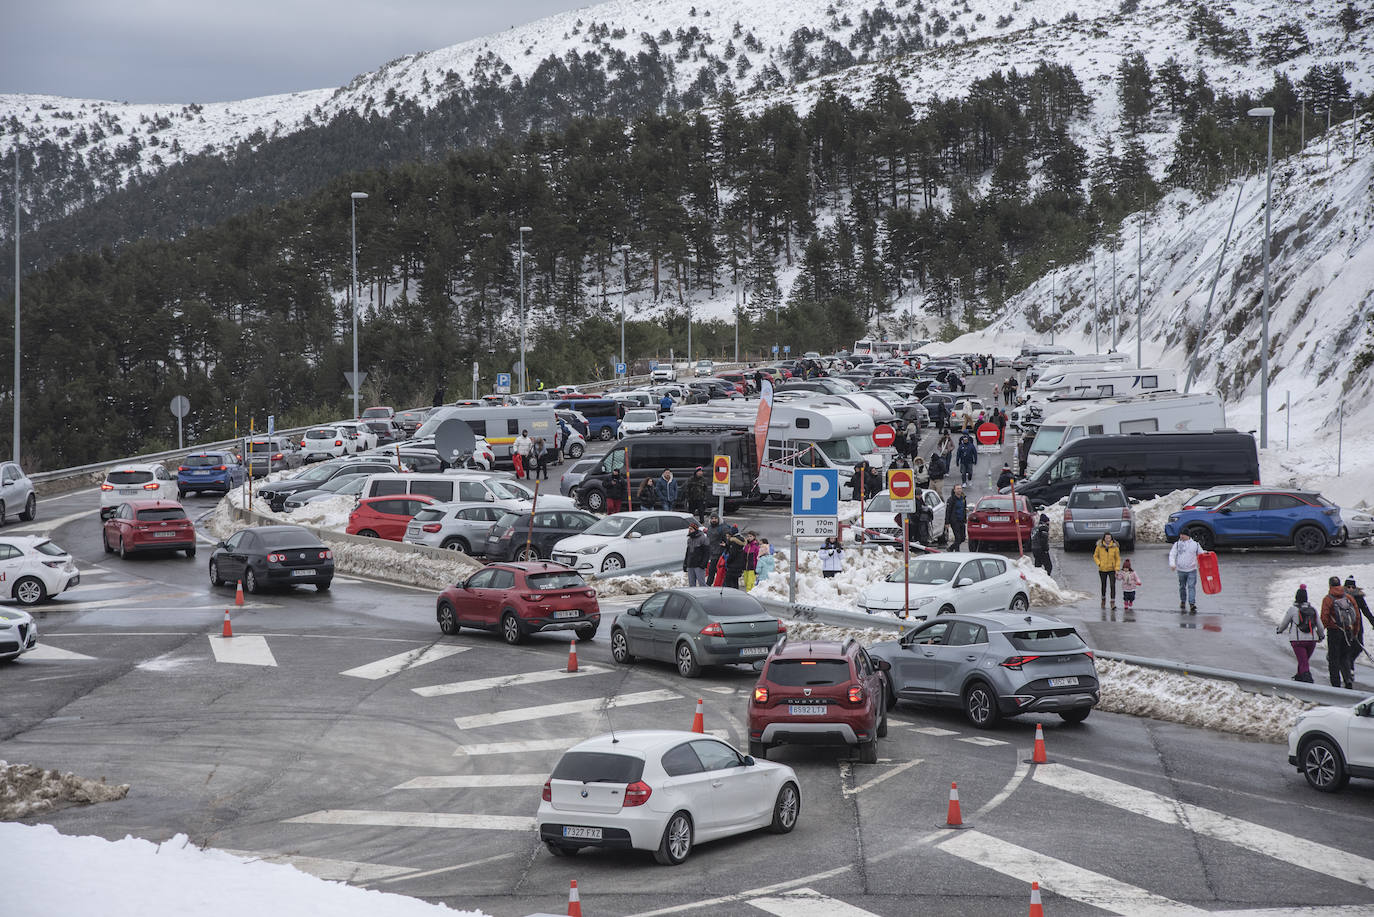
column 994, row 521
column 518, row 599
column 149, row 525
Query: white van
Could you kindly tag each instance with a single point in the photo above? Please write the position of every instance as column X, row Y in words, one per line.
column 497, row 424
column 1165, row 412
column 1087, row 383
column 462, row 487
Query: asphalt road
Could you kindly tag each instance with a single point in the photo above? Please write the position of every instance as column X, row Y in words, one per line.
column 350, row 738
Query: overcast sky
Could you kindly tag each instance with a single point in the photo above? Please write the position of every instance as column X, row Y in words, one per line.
column 218, row 50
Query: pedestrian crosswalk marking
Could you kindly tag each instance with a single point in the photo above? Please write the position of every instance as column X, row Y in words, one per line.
column 50, row 653
column 410, row 659
column 982, row 740
column 517, row 747
column 379, row 819
column 567, row 708
column 472, row 781
column 505, row 681
column 933, row 731
column 885, row 775
column 1287, row 848
column 243, row 650
column 806, row 902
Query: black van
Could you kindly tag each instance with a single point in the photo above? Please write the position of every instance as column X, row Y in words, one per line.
column 1146, row 464
column 683, row 452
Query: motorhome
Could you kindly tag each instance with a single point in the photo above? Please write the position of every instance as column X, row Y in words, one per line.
column 1165, row 412
column 499, row 424
column 1088, row 383
column 1081, row 359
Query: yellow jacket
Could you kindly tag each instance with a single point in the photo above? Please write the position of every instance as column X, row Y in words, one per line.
column 1108, row 559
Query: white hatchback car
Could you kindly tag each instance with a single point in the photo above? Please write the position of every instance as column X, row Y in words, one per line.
column 643, row 538
column 362, row 436
column 638, row 421
column 150, row 481
column 324, row 443
column 663, row 791
column 953, row 582
column 1329, row 745
column 33, row 569
column 18, row 633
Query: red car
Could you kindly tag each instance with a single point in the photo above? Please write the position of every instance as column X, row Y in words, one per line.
column 386, row 517
column 994, row 521
column 820, row 693
column 149, row 525
column 518, row 599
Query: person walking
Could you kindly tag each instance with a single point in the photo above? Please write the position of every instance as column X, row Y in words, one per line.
column 665, row 404
column 937, row 468
column 1344, row 634
column 1107, row 556
column 1023, row 455
column 520, row 453
column 968, row 457
column 540, row 455
column 1130, row 582
column 617, row 492
column 716, row 533
column 1304, row 628
column 956, row 517
column 698, row 554
column 940, row 415
column 665, row 490
column 647, row 495
column 1040, row 545
column 945, row 446
column 751, row 560
column 698, row 495
column 734, row 558
column 1183, row 561
column 832, row 558
column 999, row 417
column 920, row 471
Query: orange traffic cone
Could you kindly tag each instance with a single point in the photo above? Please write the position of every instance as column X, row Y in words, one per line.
column 699, row 721
column 954, row 819
column 1035, row 909
column 572, row 656
column 574, row 902
column 228, row 631
column 238, row 594
column 1038, row 756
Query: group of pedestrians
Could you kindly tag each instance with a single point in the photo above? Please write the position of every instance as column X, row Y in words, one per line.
column 1009, row 389
column 719, row 555
column 1340, row 623
column 532, row 457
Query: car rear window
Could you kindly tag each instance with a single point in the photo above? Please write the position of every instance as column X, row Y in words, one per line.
column 203, row 461
column 799, row 672
column 556, row 580
column 507, row 521
column 130, row 477
column 319, row 434
column 50, row 549
column 1046, row 641
column 731, row 606
column 263, row 446
column 1096, row 499
column 293, row 537
column 598, row 767
column 160, row 515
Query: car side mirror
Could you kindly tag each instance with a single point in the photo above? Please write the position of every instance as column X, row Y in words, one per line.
column 491, row 497
column 634, row 535
column 966, row 581
column 883, row 665
column 634, row 612
column 220, row 544
column 1133, row 500
column 748, row 760
column 1225, row 510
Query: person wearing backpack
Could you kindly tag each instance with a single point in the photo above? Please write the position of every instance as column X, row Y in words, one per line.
column 1344, row 634
column 1304, row 632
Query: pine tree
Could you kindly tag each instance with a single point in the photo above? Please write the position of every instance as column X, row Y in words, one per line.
column 761, row 283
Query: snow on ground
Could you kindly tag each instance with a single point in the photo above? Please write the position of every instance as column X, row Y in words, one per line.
column 619, row 586
column 135, row 878
column 26, row 791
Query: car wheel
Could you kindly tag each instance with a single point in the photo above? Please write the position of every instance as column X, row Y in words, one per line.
column 676, row 844
column 559, row 850
column 368, row 533
column 510, row 629
column 575, row 451
column 457, row 545
column 181, row 495
column 191, row 552
column 214, row 574
column 882, row 727
column 980, row 705
column 596, row 501
column 786, row 809
column 1128, row 546
column 30, row 591
column 1342, row 537
column 606, row 434
column 528, row 553
column 687, row 665
column 587, row 633
column 2, row 512
column 620, row 647
column 123, row 551
column 105, row 540
column 324, row 587
column 1019, row 602
column 1202, row 535
column 1076, row 716
column 448, row 619
column 31, row 509
column 945, row 610
column 758, row 749
column 612, row 562
column 1310, row 540
column 1322, row 765
column 868, row 752
column 250, row 581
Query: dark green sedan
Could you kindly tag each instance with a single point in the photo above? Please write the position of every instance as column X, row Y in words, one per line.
column 695, row 627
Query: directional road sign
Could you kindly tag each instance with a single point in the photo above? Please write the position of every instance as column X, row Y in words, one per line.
column 720, row 476
column 901, row 488
column 786, row 348
column 775, row 348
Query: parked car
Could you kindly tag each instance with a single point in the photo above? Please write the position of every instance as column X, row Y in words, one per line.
column 819, row 693
column 1094, row 510
column 950, row 582
column 378, row 412
column 139, row 481
column 966, row 410
column 360, row 435
column 460, row 527
column 663, row 372
column 642, row 538
column 878, row 517
column 276, row 492
column 384, row 430
column 704, row 368
column 639, row 421
column 409, row 421
column 149, row 525
column 1261, row 516
column 272, row 453
column 1357, row 526
column 34, row 569
column 1329, row 745
column 994, row 520
column 16, row 494
column 18, row 633
column 272, row 555
column 320, row 443
column 993, row 665
column 525, row 536
column 385, row 517
column 519, row 599
column 567, row 484
column 344, row 485
column 209, row 472
column 704, row 625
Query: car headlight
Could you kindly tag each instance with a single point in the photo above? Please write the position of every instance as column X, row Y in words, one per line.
column 592, row 550
column 925, row 601
column 1173, row 517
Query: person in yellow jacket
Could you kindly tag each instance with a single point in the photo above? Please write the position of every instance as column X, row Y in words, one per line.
column 1107, row 555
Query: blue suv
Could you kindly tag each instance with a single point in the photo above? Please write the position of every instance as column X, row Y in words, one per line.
column 209, row 471
column 1261, row 516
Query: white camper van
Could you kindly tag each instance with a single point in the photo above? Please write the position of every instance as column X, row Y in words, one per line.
column 1092, row 382
column 1166, row 412
column 1115, row 358
column 499, row 424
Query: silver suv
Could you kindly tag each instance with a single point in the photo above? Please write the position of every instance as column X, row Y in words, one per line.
column 993, row 665
column 1096, row 509
column 16, row 494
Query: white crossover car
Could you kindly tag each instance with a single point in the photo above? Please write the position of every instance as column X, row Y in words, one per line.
column 146, row 481
column 33, row 569
column 1329, row 745
column 953, row 582
column 18, row 633
column 663, row 791
column 643, row 538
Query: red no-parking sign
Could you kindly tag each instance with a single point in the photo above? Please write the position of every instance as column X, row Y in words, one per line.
column 901, row 487
column 720, row 476
column 884, row 436
column 987, row 434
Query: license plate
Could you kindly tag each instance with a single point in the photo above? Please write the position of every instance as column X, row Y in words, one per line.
column 1064, row 682
column 586, row 834
column 999, row 518
column 754, row 651
column 570, row 613
column 807, row 709
column 302, row 572
column 127, row 490
column 1095, row 526
column 164, row 534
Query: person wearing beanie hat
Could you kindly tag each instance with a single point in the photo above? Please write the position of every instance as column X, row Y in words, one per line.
column 1004, row 479
column 1344, row 634
column 1040, row 545
column 1357, row 596
column 1304, row 629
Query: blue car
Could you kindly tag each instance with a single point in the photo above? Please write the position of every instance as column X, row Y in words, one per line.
column 1261, row 516
column 214, row 472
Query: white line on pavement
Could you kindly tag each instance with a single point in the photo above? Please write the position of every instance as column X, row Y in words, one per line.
column 983, row 741
column 505, row 681
column 415, row 820
column 323, row 868
column 933, row 731
column 435, row 872
column 410, row 659
column 518, row 747
column 567, row 708
column 890, row 772
column 773, row 889
column 806, row 902
column 42, row 526
column 245, row 649
column 50, row 653
column 472, row 781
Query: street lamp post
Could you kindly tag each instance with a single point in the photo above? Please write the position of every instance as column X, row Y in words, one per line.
column 1264, row 308
column 1139, row 228
column 524, row 374
column 1054, row 299
column 353, row 293
column 1097, row 348
column 624, row 288
column 16, row 300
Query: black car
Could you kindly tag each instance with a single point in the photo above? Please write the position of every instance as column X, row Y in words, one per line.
column 276, row 492
column 516, row 537
column 272, row 555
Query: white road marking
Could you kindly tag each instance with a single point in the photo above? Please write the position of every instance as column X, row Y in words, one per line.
column 933, row 731
column 472, row 781
column 567, row 708
column 320, row 867
column 415, row 820
column 242, row 650
column 518, row 747
column 505, row 681
column 890, row 772
column 806, row 902
column 982, row 740
column 435, row 872
column 50, row 653
column 1287, row 848
column 1061, row 878
column 410, row 659
column 41, row 526
column 746, row 895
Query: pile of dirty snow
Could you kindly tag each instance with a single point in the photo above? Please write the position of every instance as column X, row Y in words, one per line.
column 26, row 791
column 860, row 568
column 638, row 585
column 134, row 877
column 1044, row 591
column 330, row 513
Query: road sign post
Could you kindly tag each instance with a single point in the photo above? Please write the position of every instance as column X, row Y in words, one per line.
column 901, row 487
column 885, row 439
column 181, row 406
column 503, row 383
column 620, row 369
column 988, row 434
column 815, row 510
column 720, row 481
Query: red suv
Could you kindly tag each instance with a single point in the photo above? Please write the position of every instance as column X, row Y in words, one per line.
column 149, row 525
column 820, row 693
column 386, row 517
column 517, row 599
column 994, row 521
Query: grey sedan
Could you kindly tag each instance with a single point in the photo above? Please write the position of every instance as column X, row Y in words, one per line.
column 693, row 627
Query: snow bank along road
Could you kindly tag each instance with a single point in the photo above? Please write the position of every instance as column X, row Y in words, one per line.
column 342, row 733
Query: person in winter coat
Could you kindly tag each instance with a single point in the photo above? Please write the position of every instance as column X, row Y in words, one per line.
column 1000, row 418
column 858, row 482
column 698, row 554
column 1130, row 582
column 1183, row 561
column 832, row 558
column 1344, row 634
column 665, row 490
column 540, row 456
column 1304, row 628
column 647, row 495
column 665, row 405
column 1005, row 478
column 699, row 494
column 520, row 452
column 945, row 446
column 937, row 468
column 940, row 416
column 734, row 558
column 1357, row 596
column 767, row 560
column 1023, row 455
column 912, row 436
column 920, row 472
column 751, row 560
column 616, row 492
column 1107, row 556
column 956, row 517
column 967, row 457
column 716, row 533
column 1040, row 545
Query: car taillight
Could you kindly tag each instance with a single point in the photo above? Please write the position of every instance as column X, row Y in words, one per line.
column 782, row 628
column 181, row 468
column 760, row 695
column 1126, row 514
column 712, row 630
column 533, row 597
column 338, row 442
column 276, row 558
column 151, row 485
column 222, row 468
column 326, row 555
column 1015, row 662
column 856, row 694
column 1068, row 515
column 547, row 795
column 432, row 527
column 302, row 444
column 636, row 794
column 1089, row 654
column 277, row 456
column 107, row 487
column 54, row 563
column 1256, row 482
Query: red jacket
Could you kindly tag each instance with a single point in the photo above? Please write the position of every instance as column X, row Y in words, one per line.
column 1329, row 618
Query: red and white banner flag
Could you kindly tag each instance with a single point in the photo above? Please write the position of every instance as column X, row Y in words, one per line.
column 761, row 421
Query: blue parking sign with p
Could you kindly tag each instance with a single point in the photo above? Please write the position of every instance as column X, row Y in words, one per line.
column 620, row 369
column 816, row 492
